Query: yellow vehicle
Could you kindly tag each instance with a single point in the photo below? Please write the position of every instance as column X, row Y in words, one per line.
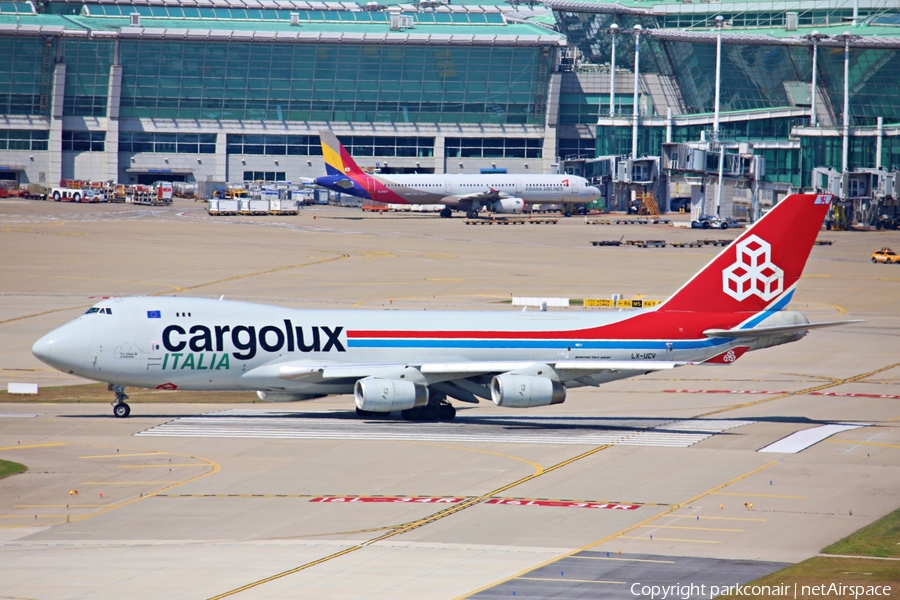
column 886, row 256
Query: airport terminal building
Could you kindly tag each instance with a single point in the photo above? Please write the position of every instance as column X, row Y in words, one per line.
column 230, row 90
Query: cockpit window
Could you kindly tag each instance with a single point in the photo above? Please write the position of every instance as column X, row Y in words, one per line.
column 92, row 310
column 102, row 311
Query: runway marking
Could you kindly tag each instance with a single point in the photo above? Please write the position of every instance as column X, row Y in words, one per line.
column 861, row 443
column 128, row 482
column 649, row 539
column 646, row 560
column 562, row 504
column 800, row 392
column 53, row 445
column 622, row 532
column 766, row 392
column 762, row 495
column 806, row 438
column 164, row 465
column 703, row 518
column 59, row 505
column 401, row 529
column 386, row 499
column 32, row 517
column 118, row 455
column 696, row 528
column 566, row 580
column 589, row 431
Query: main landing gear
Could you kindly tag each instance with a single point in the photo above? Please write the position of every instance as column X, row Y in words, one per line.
column 120, row 409
column 446, row 213
column 471, row 214
column 437, row 409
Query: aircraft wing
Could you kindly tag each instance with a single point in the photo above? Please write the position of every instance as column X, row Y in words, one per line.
column 432, row 373
column 757, row 332
column 487, row 195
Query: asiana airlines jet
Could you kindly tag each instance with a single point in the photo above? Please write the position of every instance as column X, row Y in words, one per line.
column 416, row 362
column 499, row 192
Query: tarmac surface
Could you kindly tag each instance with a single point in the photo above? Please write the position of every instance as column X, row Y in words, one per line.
column 655, row 480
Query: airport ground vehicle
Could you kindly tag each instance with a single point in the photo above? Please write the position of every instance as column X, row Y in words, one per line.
column 885, row 255
column 714, row 222
column 887, row 222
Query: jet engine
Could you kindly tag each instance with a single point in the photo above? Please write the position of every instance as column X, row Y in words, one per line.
column 385, row 395
column 286, row 396
column 522, row 391
column 510, row 206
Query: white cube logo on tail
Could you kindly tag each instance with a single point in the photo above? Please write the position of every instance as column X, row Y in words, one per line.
column 753, row 273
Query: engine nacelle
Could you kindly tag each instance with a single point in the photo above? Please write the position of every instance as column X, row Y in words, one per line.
column 386, row 395
column 509, row 206
column 523, row 391
column 286, row 396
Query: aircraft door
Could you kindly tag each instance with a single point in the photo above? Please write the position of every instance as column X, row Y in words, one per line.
column 520, row 189
column 576, row 187
column 370, row 185
column 448, row 187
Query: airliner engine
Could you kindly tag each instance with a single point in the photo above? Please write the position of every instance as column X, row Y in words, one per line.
column 385, row 395
column 512, row 206
column 522, row 391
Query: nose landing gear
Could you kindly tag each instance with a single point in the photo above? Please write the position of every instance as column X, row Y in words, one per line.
column 120, row 409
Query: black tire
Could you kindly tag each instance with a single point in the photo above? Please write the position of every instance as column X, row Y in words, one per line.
column 448, row 412
column 446, row 213
column 76, row 197
column 705, row 225
column 430, row 412
column 121, row 410
column 874, row 260
column 723, row 226
column 471, row 214
column 56, row 197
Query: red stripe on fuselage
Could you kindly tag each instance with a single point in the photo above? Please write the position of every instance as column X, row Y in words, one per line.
column 644, row 326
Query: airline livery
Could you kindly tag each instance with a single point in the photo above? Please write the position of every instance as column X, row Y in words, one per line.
column 417, row 361
column 499, row 192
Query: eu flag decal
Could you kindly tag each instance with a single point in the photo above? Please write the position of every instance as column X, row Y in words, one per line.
column 154, row 314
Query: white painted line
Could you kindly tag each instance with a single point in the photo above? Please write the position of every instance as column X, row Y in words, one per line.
column 801, row 440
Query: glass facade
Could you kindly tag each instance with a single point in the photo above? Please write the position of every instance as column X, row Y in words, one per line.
column 178, row 143
column 313, row 16
column 493, row 148
column 874, row 83
column 84, row 141
column 26, row 75
column 264, row 176
column 362, row 83
column 24, row 139
column 87, row 76
column 278, row 145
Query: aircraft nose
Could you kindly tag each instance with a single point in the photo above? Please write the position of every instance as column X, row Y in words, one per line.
column 42, row 348
column 65, row 348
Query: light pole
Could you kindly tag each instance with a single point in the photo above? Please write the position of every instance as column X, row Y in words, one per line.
column 719, row 21
column 815, row 36
column 845, row 130
column 637, row 73
column 613, row 31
